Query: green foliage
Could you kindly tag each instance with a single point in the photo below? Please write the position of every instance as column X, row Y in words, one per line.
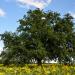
column 40, row 35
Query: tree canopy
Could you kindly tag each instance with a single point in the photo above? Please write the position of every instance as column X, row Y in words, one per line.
column 40, row 36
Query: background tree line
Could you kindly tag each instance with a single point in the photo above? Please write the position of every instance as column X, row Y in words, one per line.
column 40, row 36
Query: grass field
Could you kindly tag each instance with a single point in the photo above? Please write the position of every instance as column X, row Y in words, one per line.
column 33, row 69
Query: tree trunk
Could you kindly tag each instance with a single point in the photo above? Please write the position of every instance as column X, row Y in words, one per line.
column 39, row 62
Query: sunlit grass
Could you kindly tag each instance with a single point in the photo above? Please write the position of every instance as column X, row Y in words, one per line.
column 34, row 69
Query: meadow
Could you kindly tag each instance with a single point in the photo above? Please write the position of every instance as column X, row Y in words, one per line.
column 34, row 69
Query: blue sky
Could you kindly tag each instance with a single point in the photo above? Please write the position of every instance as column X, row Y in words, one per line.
column 13, row 10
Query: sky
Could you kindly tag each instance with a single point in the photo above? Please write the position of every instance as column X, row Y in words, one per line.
column 13, row 10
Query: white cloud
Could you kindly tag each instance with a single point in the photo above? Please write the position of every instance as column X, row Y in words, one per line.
column 72, row 14
column 2, row 13
column 1, row 46
column 36, row 3
column 1, row 49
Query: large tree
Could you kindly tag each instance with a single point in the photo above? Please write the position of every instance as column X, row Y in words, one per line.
column 40, row 35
